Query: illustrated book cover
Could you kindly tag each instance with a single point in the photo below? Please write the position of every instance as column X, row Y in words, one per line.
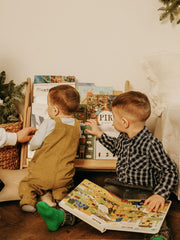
column 86, row 89
column 81, row 113
column 53, row 79
column 105, row 211
column 100, row 151
column 99, row 108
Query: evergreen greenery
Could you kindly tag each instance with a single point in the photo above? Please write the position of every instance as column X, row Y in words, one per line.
column 10, row 95
column 171, row 9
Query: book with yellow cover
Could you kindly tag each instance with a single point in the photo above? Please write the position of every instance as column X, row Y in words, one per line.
column 106, row 211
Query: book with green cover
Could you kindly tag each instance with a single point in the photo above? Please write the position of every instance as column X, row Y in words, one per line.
column 86, row 149
column 106, row 211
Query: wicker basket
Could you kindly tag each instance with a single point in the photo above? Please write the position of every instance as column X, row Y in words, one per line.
column 9, row 156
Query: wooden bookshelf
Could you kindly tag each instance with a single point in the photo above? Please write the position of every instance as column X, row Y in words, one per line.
column 80, row 164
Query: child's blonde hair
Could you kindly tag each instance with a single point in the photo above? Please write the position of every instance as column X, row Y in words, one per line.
column 135, row 104
column 65, row 97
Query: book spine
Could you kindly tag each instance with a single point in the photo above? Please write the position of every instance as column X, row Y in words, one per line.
column 92, row 220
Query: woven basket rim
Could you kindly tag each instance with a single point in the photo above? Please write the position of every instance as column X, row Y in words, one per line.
column 12, row 127
column 8, row 124
column 9, row 155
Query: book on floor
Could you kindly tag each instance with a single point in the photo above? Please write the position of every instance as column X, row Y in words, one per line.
column 106, row 211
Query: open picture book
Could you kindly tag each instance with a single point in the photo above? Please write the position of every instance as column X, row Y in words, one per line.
column 106, row 211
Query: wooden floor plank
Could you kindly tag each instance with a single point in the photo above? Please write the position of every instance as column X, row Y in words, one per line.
column 15, row 224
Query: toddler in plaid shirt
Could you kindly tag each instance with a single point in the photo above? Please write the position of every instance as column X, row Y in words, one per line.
column 144, row 170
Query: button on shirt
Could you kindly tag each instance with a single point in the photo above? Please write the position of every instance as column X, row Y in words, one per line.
column 142, row 161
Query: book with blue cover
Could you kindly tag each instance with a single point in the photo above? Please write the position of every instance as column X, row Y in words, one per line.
column 85, row 90
column 53, row 79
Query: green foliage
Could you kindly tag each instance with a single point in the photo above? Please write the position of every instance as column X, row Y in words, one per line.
column 171, row 10
column 11, row 94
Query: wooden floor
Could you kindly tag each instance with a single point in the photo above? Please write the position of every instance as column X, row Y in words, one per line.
column 18, row 225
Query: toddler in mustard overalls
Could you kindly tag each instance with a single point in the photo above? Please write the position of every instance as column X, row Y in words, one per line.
column 56, row 143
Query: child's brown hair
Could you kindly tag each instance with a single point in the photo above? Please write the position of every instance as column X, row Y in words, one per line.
column 65, row 97
column 134, row 103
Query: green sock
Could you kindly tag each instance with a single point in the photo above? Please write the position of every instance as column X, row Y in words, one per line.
column 158, row 238
column 52, row 216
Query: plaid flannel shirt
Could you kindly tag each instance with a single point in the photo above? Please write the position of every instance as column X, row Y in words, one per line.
column 142, row 161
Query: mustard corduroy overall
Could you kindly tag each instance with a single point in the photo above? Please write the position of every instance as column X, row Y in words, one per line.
column 52, row 167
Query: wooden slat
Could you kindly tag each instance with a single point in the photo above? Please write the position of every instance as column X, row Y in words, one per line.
column 117, row 92
column 27, row 103
column 127, row 86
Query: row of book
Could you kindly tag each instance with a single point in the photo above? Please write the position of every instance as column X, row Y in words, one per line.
column 95, row 102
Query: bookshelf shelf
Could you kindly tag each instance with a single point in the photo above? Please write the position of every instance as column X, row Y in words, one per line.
column 93, row 164
column 96, row 165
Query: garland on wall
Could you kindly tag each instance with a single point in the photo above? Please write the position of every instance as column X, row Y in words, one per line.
column 171, row 9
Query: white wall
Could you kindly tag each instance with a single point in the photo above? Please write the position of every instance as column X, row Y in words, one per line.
column 101, row 41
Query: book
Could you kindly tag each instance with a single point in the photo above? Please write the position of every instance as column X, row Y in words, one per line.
column 86, row 149
column 40, row 91
column 38, row 115
column 99, row 108
column 81, row 113
column 106, row 211
column 100, row 151
column 53, row 79
column 86, row 89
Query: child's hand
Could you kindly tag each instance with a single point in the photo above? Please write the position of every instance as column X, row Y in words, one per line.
column 94, row 128
column 25, row 134
column 155, row 203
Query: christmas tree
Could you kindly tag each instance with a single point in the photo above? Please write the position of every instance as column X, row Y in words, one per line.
column 10, row 95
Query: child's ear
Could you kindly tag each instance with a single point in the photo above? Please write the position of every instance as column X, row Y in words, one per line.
column 55, row 110
column 125, row 122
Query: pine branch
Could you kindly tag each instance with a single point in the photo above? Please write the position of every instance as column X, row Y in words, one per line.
column 11, row 94
column 171, row 10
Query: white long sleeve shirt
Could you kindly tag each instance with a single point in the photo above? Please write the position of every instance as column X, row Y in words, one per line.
column 45, row 129
column 7, row 138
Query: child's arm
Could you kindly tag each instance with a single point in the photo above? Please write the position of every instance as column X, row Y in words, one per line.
column 107, row 141
column 168, row 177
column 25, row 134
column 44, row 130
column 166, row 169
column 155, row 203
column 95, row 130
